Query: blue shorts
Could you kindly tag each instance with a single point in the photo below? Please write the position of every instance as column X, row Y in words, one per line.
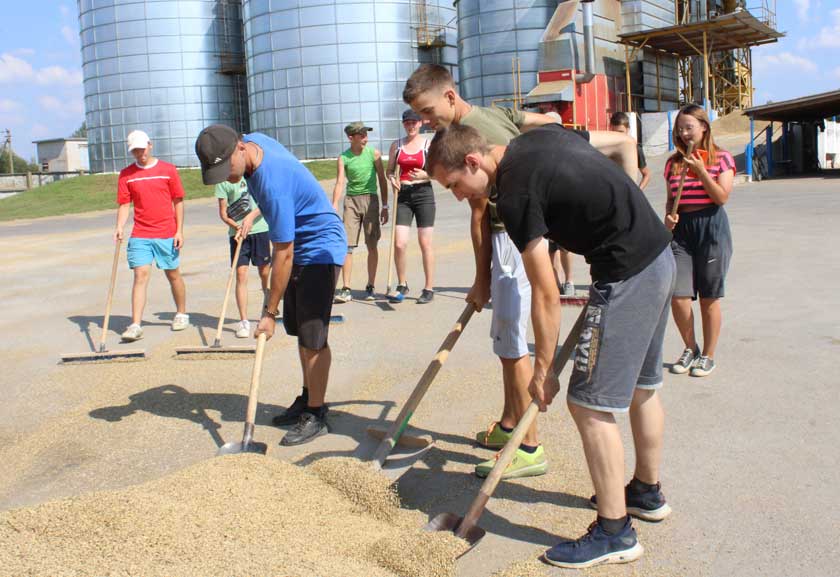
column 142, row 251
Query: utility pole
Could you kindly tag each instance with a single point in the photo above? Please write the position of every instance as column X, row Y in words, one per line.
column 10, row 153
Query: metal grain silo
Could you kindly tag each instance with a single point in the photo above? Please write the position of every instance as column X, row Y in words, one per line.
column 314, row 66
column 491, row 33
column 169, row 67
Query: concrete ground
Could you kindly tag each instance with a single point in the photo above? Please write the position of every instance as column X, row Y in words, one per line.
column 751, row 462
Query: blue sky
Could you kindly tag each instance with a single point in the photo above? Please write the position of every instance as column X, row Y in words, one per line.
column 41, row 80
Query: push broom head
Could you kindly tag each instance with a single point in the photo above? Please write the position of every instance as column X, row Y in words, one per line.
column 104, row 357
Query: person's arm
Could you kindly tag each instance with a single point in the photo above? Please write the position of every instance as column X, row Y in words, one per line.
column 223, row 205
column 281, row 270
column 545, row 318
column 534, row 119
column 479, row 294
column 248, row 222
column 645, row 177
column 620, row 148
column 718, row 190
column 393, row 178
column 383, row 185
column 339, row 183
column 179, row 221
column 122, row 217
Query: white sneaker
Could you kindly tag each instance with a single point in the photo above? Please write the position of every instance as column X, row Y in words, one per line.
column 180, row 322
column 132, row 333
column 243, row 329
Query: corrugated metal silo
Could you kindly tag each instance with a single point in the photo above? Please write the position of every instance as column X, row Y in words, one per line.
column 167, row 67
column 314, row 66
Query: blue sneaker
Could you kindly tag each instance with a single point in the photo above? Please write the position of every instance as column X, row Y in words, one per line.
column 597, row 548
column 648, row 506
column 399, row 295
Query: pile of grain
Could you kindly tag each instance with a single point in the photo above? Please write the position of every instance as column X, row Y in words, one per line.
column 735, row 123
column 235, row 515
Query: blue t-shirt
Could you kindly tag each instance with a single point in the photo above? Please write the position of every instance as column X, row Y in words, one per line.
column 295, row 206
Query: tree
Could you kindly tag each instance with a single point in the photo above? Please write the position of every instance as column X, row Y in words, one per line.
column 80, row 132
column 20, row 164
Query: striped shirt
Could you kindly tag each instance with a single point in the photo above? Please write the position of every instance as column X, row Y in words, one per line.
column 151, row 189
column 693, row 192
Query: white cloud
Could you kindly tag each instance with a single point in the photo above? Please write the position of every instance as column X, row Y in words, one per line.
column 68, row 107
column 14, row 69
column 802, row 9
column 836, row 72
column 784, row 60
column 70, row 35
column 65, row 11
column 7, row 105
column 17, row 70
column 58, row 75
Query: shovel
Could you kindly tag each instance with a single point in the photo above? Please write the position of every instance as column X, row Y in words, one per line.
column 466, row 527
column 248, row 445
column 392, row 435
column 688, row 151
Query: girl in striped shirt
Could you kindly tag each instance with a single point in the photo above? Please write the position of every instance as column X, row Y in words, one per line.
column 702, row 242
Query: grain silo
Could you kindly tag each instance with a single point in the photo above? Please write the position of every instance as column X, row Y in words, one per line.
column 169, row 67
column 314, row 66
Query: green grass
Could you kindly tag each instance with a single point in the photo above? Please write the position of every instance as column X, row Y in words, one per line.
column 99, row 192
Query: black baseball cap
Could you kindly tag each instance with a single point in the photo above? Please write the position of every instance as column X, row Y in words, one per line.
column 411, row 115
column 214, row 147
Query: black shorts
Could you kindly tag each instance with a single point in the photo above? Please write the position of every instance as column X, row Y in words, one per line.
column 307, row 304
column 554, row 247
column 256, row 249
column 702, row 247
column 416, row 200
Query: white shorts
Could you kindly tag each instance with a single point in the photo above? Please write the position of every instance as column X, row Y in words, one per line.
column 511, row 294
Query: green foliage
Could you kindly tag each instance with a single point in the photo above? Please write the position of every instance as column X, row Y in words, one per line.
column 80, row 132
column 20, row 164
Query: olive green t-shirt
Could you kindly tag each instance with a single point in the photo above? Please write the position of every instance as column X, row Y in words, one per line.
column 231, row 193
column 360, row 171
column 498, row 125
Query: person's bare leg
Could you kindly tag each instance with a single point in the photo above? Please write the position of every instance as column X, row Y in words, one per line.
column 516, row 376
column 303, row 366
column 138, row 292
column 242, row 291
column 557, row 265
column 647, row 420
column 712, row 319
column 179, row 291
column 372, row 263
column 566, row 264
column 316, row 366
column 347, row 269
column 424, row 238
column 684, row 319
column 400, row 246
column 265, row 280
column 604, row 456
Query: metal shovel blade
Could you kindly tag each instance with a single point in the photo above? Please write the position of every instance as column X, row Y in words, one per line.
column 450, row 522
column 243, row 447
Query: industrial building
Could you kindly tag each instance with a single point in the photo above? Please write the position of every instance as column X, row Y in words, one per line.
column 299, row 70
column 63, row 154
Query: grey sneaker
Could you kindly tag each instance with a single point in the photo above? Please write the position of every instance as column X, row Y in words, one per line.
column 343, row 295
column 369, row 296
column 703, row 366
column 685, row 362
column 399, row 294
column 568, row 289
column 426, row 296
column 132, row 333
column 180, row 322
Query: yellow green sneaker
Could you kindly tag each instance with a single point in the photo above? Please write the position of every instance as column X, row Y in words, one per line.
column 494, row 437
column 524, row 464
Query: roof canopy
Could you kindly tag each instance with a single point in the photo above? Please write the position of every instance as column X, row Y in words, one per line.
column 725, row 32
column 816, row 107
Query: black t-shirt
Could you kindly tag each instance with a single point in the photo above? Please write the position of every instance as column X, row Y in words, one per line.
column 552, row 183
column 642, row 159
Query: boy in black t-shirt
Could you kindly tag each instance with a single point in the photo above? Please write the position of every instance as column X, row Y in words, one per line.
column 551, row 183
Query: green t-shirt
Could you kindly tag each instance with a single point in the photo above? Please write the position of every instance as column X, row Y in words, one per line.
column 498, row 125
column 360, row 171
column 231, row 193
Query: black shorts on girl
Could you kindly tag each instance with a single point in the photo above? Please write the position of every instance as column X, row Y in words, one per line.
column 702, row 247
column 416, row 200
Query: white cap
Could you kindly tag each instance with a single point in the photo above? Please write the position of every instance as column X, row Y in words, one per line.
column 137, row 139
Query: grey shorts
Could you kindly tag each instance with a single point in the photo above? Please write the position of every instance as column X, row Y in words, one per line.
column 511, row 293
column 361, row 212
column 702, row 248
column 620, row 346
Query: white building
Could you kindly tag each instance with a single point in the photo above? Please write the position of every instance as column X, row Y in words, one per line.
column 63, row 154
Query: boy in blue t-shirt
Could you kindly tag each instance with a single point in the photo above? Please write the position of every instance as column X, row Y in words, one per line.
column 309, row 248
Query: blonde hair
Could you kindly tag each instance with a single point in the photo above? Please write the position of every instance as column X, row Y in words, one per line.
column 708, row 142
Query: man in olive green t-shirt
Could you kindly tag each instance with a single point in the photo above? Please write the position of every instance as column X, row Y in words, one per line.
column 256, row 246
column 360, row 168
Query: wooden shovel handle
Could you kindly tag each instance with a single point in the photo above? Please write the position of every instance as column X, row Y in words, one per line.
column 507, row 454
column 110, row 296
column 393, row 217
column 689, row 150
column 231, row 276
column 251, row 413
column 395, row 430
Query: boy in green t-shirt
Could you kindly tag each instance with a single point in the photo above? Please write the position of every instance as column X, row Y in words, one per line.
column 256, row 246
column 360, row 167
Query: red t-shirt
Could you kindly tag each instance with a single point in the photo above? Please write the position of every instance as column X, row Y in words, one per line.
column 152, row 191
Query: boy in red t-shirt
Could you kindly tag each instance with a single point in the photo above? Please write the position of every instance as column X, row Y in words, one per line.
column 155, row 190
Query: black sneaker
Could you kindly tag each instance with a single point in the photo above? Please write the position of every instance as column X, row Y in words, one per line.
column 369, row 296
column 647, row 506
column 309, row 427
column 597, row 548
column 291, row 415
column 426, row 296
column 685, row 362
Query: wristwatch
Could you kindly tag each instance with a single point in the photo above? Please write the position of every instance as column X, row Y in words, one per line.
column 268, row 312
